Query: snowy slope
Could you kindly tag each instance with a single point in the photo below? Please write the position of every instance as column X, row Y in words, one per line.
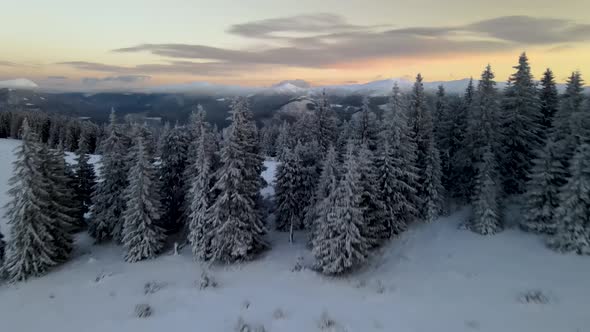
column 434, row 278
column 19, row 83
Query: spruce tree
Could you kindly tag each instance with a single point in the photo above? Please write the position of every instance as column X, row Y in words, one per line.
column 108, row 204
column 433, row 200
column 364, row 124
column 375, row 222
column 175, row 175
column 32, row 249
column 397, row 173
column 443, row 131
column 519, row 123
column 142, row 237
column 460, row 154
column 566, row 129
column 549, row 100
column 486, row 218
column 200, row 201
column 422, row 131
column 542, row 195
column 326, row 125
column 290, row 193
column 573, row 214
column 237, row 229
column 284, row 140
column 327, row 183
column 85, row 177
column 339, row 244
column 482, row 130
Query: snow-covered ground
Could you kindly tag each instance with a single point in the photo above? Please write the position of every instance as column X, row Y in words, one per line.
column 434, row 278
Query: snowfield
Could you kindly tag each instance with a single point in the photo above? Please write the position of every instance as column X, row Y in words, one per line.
column 434, row 278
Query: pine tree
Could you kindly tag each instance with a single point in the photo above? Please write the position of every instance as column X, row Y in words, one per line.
column 397, row 173
column 549, row 100
column 284, row 140
column 32, row 249
column 142, row 237
column 566, row 130
column 290, row 193
column 542, row 195
column 237, row 229
column 443, row 130
column 573, row 214
column 326, row 125
column 486, row 218
column 200, row 201
column 482, row 130
column 433, row 189
column 327, row 183
column 364, row 124
column 175, row 175
column 85, row 177
column 108, row 204
column 519, row 123
column 339, row 244
column 375, row 222
column 460, row 154
column 422, row 132
column 65, row 206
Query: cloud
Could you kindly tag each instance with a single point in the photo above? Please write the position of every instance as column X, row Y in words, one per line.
column 326, row 40
column 7, row 64
column 126, row 79
column 311, row 23
column 57, row 77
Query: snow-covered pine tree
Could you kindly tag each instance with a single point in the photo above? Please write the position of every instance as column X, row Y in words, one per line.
column 345, row 133
column 142, row 237
column 564, row 123
column 364, row 124
column 284, row 140
column 519, row 124
column 268, row 139
column 327, row 183
column 573, row 214
column 397, row 174
column 462, row 170
column 483, row 128
column 31, row 250
column 108, row 204
column 199, row 235
column 433, row 199
column 84, row 175
column 486, row 218
column 542, row 195
column 420, row 122
column 339, row 244
column 65, row 206
column 237, row 229
column 375, row 221
column 327, row 124
column 443, row 130
column 290, row 193
column 549, row 99
column 175, row 176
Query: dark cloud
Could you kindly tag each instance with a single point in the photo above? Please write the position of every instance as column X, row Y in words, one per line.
column 323, row 40
column 126, row 79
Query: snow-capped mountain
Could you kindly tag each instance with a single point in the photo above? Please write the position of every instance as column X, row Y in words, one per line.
column 19, row 83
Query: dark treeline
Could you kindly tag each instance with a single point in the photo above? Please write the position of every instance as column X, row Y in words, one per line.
column 352, row 182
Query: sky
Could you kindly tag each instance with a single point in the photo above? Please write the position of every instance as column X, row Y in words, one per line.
column 120, row 44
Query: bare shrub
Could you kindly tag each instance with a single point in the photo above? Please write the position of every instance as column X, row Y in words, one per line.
column 143, row 310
